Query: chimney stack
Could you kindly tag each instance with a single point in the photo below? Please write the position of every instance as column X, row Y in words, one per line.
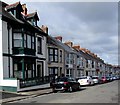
column 59, row 38
column 83, row 49
column 69, row 43
column 45, row 29
column 77, row 47
column 24, row 9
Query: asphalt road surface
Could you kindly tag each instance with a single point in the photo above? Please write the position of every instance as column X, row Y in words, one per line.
column 103, row 93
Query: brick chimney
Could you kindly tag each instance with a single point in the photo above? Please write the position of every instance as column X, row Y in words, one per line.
column 59, row 38
column 77, row 47
column 45, row 29
column 69, row 43
column 95, row 55
column 88, row 51
column 83, row 49
column 24, row 9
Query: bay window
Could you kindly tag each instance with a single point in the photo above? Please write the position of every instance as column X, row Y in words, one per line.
column 25, row 40
column 17, row 40
column 33, row 44
column 29, row 41
column 18, row 70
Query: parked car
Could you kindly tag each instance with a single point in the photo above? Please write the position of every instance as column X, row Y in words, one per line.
column 109, row 78
column 85, row 80
column 103, row 79
column 114, row 78
column 64, row 84
column 118, row 77
column 96, row 79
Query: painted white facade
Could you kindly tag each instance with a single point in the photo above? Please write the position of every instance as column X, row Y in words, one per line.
column 44, row 53
column 4, row 81
column 1, row 53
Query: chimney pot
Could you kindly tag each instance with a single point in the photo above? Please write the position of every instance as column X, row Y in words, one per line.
column 77, row 47
column 45, row 29
column 59, row 38
column 69, row 43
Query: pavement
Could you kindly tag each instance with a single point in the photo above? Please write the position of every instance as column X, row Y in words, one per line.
column 7, row 97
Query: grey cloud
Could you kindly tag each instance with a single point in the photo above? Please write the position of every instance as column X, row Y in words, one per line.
column 92, row 25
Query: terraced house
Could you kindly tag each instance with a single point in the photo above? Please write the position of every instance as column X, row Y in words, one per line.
column 55, row 57
column 30, row 57
column 61, row 57
column 23, row 47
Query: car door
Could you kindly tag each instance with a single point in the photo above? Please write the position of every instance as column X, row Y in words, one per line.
column 91, row 80
column 74, row 84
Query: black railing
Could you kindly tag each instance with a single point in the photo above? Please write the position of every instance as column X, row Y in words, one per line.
column 34, row 81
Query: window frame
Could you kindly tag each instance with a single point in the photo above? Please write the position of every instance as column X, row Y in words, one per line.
column 39, row 45
column 60, row 56
column 54, row 56
column 20, row 39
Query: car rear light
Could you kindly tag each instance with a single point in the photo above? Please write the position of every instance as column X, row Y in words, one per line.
column 104, row 79
column 65, row 83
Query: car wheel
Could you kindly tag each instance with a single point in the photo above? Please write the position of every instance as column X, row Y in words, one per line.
column 54, row 91
column 70, row 89
column 79, row 87
column 90, row 83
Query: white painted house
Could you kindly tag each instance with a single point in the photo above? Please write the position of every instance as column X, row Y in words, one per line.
column 23, row 48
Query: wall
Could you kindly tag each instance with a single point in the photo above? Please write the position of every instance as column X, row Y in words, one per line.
column 12, row 83
column 4, row 49
column 44, row 53
column 5, row 67
column 1, row 57
column 43, row 47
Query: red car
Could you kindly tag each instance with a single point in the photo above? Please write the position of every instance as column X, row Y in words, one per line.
column 103, row 80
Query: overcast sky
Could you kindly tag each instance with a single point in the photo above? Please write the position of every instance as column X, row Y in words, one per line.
column 92, row 25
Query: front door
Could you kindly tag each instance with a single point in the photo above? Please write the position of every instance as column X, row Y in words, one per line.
column 40, row 70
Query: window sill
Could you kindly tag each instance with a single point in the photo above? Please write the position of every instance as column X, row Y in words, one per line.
column 9, row 78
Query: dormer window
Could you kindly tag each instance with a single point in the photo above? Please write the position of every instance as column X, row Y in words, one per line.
column 34, row 22
column 13, row 12
column 15, row 9
column 33, row 18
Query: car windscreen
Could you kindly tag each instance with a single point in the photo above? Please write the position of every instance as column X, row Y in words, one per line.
column 61, row 79
column 94, row 77
column 83, row 78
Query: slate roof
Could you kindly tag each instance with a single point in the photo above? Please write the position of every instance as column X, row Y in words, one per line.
column 12, row 19
column 7, row 15
column 62, row 45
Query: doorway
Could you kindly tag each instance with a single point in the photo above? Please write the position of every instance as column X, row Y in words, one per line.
column 40, row 72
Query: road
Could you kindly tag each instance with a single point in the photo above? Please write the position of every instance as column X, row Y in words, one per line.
column 103, row 93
